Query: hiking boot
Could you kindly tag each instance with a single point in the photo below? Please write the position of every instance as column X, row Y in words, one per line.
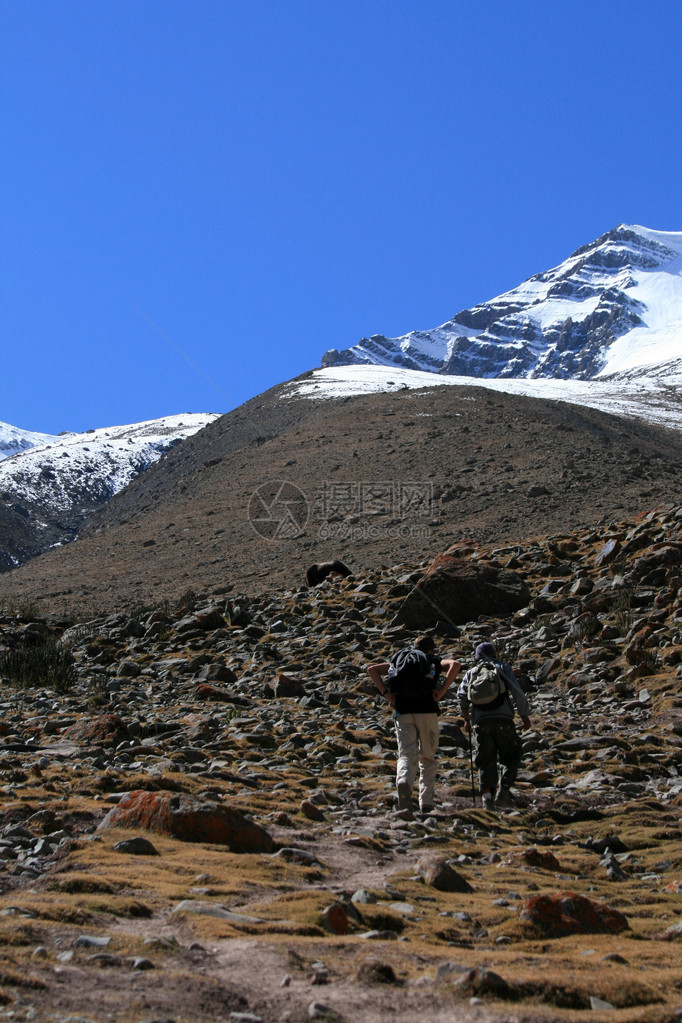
column 505, row 798
column 488, row 801
column 404, row 798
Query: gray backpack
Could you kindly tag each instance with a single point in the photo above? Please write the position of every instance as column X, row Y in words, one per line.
column 487, row 688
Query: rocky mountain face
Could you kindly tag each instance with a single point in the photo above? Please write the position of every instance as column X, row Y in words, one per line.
column 282, row 482
column 50, row 485
column 614, row 304
column 198, row 809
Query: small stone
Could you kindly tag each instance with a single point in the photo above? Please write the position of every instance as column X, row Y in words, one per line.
column 318, row 1010
column 362, row 897
column 615, row 957
column 446, row 970
column 141, row 963
column 599, row 1003
column 374, row 972
column 137, row 846
column 91, row 941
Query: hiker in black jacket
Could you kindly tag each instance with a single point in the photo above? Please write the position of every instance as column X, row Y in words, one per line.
column 493, row 722
column 416, row 719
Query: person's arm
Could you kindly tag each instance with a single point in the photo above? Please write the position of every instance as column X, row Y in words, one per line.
column 378, row 674
column 451, row 669
column 518, row 695
column 463, row 698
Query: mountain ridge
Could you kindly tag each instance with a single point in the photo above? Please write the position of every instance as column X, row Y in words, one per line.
column 491, row 466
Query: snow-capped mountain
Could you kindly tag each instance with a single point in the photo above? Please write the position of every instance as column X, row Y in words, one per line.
column 613, row 307
column 49, row 485
column 13, row 440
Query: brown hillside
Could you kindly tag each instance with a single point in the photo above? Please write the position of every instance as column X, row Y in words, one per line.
column 372, row 480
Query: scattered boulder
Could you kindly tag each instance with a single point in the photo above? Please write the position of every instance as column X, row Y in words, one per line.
column 533, row 857
column 190, row 820
column 311, row 810
column 372, row 971
column 284, row 685
column 105, row 730
column 481, row 981
column 137, row 846
column 459, row 590
column 335, row 919
column 568, row 913
column 437, row 873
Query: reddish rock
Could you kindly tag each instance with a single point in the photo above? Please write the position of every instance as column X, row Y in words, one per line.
column 335, row 919
column 311, row 811
column 568, row 913
column 105, row 730
column 538, row 858
column 204, row 691
column 190, row 820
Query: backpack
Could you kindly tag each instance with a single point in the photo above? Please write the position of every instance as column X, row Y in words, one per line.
column 487, row 688
column 412, row 673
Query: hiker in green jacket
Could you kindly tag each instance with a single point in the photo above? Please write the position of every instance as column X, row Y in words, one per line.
column 491, row 714
column 414, row 692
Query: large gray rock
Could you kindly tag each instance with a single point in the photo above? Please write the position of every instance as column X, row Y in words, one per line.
column 457, row 590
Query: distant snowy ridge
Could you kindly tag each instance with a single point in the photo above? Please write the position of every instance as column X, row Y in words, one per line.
column 50, row 485
column 92, row 467
column 644, row 396
column 13, row 440
column 613, row 307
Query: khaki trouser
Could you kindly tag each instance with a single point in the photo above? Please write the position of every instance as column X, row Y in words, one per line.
column 417, row 736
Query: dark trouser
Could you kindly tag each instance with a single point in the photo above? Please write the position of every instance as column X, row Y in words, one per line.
column 497, row 740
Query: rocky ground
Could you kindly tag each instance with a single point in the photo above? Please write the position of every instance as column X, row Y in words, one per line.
column 248, row 722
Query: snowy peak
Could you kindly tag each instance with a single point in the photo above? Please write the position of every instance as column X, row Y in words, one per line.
column 13, row 440
column 49, row 485
column 96, row 464
column 613, row 306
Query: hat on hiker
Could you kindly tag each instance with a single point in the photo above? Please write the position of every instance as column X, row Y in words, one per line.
column 485, row 652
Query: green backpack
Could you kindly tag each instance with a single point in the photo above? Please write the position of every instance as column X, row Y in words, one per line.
column 487, row 688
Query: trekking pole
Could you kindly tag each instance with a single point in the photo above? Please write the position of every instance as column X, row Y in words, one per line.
column 471, row 763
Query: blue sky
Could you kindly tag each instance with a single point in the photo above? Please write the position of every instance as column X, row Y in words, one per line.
column 268, row 179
